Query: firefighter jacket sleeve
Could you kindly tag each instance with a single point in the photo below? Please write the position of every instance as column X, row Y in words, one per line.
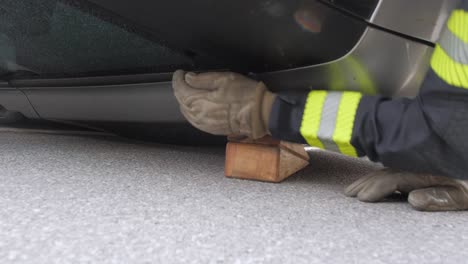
column 427, row 134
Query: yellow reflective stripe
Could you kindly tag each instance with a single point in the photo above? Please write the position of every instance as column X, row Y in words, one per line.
column 458, row 24
column 335, row 136
column 345, row 122
column 311, row 118
column 446, row 67
column 452, row 72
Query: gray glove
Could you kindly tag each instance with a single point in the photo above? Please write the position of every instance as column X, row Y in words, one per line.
column 224, row 103
column 426, row 192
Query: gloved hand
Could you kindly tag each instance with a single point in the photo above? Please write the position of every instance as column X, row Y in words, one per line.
column 426, row 192
column 224, row 103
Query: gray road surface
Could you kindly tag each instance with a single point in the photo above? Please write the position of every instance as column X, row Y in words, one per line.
column 98, row 199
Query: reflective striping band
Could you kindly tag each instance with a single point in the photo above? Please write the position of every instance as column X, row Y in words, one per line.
column 328, row 120
column 458, row 23
column 345, row 123
column 454, row 47
column 450, row 58
column 311, row 118
column 452, row 72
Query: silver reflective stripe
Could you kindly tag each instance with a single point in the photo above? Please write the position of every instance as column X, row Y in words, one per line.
column 456, row 48
column 328, row 121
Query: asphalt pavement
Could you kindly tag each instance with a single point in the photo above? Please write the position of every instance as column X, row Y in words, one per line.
column 71, row 197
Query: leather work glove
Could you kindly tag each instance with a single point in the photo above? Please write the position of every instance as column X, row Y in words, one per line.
column 426, row 192
column 224, row 103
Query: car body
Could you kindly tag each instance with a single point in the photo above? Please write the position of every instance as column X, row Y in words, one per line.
column 107, row 64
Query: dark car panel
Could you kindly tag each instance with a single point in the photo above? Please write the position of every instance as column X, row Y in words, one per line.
column 258, row 36
column 74, row 38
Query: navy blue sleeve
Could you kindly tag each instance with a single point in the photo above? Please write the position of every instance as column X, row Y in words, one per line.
column 286, row 117
column 427, row 134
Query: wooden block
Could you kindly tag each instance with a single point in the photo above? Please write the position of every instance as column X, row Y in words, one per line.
column 264, row 160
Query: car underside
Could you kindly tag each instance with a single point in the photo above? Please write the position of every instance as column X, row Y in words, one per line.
column 107, row 64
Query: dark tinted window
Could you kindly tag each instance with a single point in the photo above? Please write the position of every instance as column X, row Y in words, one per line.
column 69, row 39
